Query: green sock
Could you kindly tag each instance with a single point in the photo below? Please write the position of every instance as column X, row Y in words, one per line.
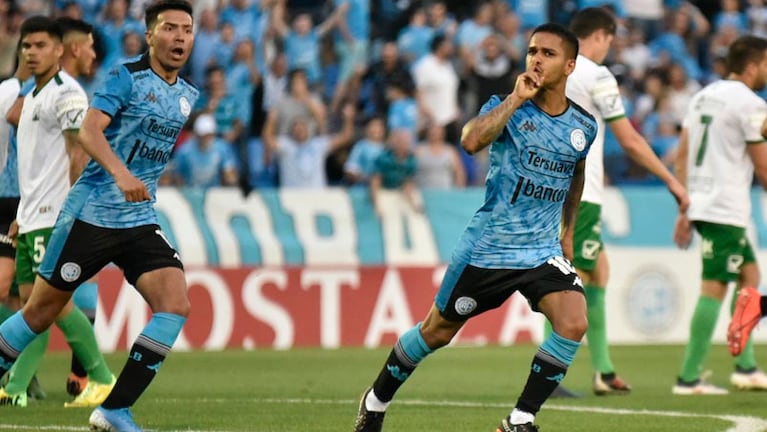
column 26, row 365
column 597, row 331
column 547, row 330
column 746, row 359
column 5, row 312
column 79, row 334
column 701, row 329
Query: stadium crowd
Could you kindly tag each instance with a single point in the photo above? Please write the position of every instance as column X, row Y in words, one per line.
column 283, row 80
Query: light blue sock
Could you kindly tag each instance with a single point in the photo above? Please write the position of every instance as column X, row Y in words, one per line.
column 164, row 328
column 560, row 348
column 86, row 296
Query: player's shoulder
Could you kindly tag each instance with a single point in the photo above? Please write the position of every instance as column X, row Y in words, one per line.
column 67, row 83
column 582, row 111
column 189, row 86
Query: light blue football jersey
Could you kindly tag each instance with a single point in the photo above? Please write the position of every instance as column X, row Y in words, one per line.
column 9, row 178
column 531, row 167
column 147, row 116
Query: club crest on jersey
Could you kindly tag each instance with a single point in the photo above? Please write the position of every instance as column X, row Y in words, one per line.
column 578, row 139
column 185, row 106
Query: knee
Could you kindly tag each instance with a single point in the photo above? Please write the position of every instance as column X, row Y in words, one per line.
column 573, row 329
column 179, row 306
column 437, row 337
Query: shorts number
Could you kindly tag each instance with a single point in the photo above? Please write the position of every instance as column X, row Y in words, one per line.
column 706, row 121
column 39, row 249
column 562, row 264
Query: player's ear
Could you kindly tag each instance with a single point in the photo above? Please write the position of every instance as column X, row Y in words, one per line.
column 569, row 66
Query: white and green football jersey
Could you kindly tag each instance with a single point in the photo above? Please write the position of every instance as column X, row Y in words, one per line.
column 56, row 106
column 722, row 120
column 594, row 88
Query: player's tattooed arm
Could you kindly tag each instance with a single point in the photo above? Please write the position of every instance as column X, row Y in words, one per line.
column 570, row 208
column 482, row 130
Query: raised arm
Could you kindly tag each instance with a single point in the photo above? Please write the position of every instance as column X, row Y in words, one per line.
column 482, row 130
column 95, row 144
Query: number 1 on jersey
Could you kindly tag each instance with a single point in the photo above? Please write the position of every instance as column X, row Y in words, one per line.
column 706, row 120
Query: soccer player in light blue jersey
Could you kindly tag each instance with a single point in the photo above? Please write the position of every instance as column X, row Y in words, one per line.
column 108, row 215
column 520, row 239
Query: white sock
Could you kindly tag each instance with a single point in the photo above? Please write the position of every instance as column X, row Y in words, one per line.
column 521, row 417
column 372, row 403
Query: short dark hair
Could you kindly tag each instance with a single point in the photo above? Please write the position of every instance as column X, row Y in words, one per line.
column 437, row 41
column 71, row 25
column 589, row 20
column 160, row 6
column 744, row 51
column 41, row 24
column 569, row 39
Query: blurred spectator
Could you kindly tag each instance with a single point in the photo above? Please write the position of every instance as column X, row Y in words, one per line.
column 636, row 54
column 413, row 41
column 361, row 162
column 301, row 156
column 395, row 169
column 218, row 100
column 513, row 41
column 681, row 90
column 438, row 164
column 472, row 32
column 115, row 24
column 378, row 77
column 441, row 21
column 9, row 39
column 654, row 88
column 645, row 16
column 206, row 41
column 491, row 71
column 72, row 10
column 243, row 16
column 299, row 102
column 403, row 108
column 242, row 77
column 721, row 41
column 89, row 9
column 302, row 41
column 532, row 13
column 351, row 44
column 225, row 46
column 273, row 88
column 679, row 41
column 757, row 17
column 437, row 86
column 731, row 16
column 205, row 160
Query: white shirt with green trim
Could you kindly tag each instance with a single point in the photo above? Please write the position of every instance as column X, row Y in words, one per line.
column 722, row 120
column 594, row 88
column 58, row 106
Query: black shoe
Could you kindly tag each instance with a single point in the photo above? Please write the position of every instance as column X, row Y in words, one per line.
column 368, row 421
column 562, row 392
column 506, row 426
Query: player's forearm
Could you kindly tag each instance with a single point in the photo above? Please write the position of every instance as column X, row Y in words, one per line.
column 572, row 200
column 482, row 130
column 96, row 146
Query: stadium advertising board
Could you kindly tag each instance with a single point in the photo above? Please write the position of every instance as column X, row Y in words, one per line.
column 280, row 269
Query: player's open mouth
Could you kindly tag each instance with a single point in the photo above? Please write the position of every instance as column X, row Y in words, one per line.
column 177, row 52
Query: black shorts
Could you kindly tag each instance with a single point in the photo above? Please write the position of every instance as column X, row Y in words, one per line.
column 8, row 208
column 78, row 250
column 468, row 291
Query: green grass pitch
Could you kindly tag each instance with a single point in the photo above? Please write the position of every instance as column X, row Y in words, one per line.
column 457, row 389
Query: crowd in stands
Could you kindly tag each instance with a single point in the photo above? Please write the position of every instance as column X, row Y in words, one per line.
column 310, row 93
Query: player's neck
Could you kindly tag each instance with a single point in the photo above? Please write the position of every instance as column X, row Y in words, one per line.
column 170, row 76
column 41, row 80
column 747, row 81
column 551, row 101
column 69, row 66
